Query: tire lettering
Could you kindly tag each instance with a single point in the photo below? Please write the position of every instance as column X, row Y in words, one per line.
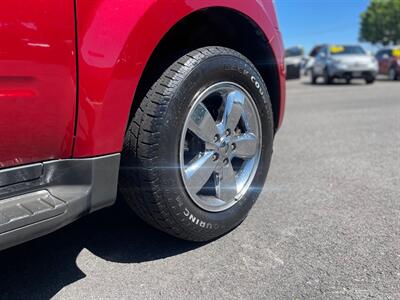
column 257, row 85
column 192, row 218
column 246, row 73
column 197, row 221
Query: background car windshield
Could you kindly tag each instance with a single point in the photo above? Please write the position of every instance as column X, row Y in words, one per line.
column 294, row 51
column 340, row 50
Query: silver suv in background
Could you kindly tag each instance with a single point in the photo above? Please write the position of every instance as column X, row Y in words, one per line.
column 310, row 59
column 345, row 62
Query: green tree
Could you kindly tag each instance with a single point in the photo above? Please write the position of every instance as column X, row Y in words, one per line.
column 380, row 23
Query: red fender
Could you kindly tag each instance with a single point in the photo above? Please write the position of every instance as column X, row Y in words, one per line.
column 116, row 39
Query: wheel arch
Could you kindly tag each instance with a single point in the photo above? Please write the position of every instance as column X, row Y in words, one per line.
column 222, row 27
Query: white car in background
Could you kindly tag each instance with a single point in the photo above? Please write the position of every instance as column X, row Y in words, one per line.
column 344, row 62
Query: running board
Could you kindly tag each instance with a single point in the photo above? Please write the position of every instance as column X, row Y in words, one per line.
column 28, row 209
column 31, row 206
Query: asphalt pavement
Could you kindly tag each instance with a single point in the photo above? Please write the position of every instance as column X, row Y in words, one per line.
column 327, row 224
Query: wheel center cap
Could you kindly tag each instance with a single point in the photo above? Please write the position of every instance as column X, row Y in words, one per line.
column 224, row 148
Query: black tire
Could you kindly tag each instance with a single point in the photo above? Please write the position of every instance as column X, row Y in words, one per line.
column 327, row 79
column 370, row 80
column 153, row 188
column 313, row 77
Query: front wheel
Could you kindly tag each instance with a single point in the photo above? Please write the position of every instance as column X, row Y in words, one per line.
column 327, row 78
column 370, row 80
column 198, row 149
column 313, row 77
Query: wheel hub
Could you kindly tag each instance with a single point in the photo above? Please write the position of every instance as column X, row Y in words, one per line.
column 223, row 148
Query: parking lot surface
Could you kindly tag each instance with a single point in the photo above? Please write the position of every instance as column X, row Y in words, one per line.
column 327, row 224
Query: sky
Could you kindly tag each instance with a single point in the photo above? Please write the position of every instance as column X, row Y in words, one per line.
column 309, row 22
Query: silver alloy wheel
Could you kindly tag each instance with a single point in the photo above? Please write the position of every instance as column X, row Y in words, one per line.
column 220, row 146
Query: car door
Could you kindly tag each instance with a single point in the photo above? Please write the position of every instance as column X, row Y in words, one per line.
column 37, row 80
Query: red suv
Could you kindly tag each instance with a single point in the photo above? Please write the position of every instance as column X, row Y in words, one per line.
column 176, row 103
column 389, row 62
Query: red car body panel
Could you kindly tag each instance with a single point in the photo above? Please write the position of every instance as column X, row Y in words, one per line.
column 115, row 40
column 37, row 80
column 39, row 88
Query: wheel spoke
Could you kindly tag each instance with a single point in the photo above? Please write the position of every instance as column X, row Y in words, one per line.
column 246, row 146
column 225, row 184
column 199, row 171
column 233, row 110
column 202, row 124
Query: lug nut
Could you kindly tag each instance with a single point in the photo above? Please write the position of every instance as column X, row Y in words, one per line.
column 215, row 157
column 228, row 132
column 216, row 138
column 238, row 131
column 226, row 161
column 233, row 146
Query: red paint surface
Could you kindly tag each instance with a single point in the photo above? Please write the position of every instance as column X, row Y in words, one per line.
column 115, row 40
column 37, row 80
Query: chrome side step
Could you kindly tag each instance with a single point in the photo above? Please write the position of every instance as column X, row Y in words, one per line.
column 27, row 209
